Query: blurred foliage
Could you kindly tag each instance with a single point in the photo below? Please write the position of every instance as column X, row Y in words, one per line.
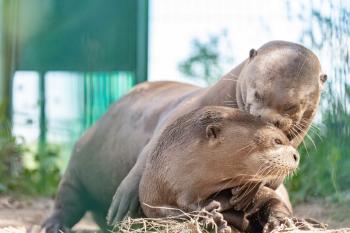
column 324, row 171
column 10, row 163
column 42, row 179
column 208, row 59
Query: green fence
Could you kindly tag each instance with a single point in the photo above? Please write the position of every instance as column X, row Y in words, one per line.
column 101, row 90
column 105, row 43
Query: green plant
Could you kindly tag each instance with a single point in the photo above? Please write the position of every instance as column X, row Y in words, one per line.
column 208, row 59
column 45, row 177
column 324, row 170
column 42, row 179
column 10, row 158
column 325, row 160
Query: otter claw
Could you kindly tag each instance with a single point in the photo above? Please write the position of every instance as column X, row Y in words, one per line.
column 212, row 210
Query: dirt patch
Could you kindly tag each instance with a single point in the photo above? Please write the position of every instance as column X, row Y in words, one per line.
column 29, row 214
column 335, row 215
column 23, row 215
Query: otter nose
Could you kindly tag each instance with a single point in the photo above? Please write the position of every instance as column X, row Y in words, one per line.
column 296, row 158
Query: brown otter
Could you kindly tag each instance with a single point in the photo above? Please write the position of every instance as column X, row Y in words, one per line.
column 221, row 148
column 121, row 139
column 281, row 82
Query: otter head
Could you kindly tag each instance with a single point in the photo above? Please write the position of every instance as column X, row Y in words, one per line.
column 215, row 148
column 273, row 156
column 239, row 147
column 281, row 83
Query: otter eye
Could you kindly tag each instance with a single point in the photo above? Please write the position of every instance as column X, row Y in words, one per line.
column 278, row 141
column 258, row 96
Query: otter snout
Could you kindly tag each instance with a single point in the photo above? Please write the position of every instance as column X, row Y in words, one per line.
column 292, row 158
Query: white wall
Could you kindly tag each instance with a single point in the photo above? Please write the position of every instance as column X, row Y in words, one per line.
column 251, row 23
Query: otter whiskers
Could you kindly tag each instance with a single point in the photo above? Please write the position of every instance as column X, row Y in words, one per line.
column 313, row 128
column 307, row 136
column 301, row 128
column 255, row 180
column 250, row 144
column 295, row 134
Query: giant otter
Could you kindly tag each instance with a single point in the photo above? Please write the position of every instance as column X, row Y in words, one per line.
column 209, row 149
column 287, row 74
column 281, row 83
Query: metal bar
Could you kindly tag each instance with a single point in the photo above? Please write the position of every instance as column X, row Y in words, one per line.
column 42, row 112
column 142, row 41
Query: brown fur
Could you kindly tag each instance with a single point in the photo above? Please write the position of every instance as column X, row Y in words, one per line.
column 174, row 178
column 114, row 154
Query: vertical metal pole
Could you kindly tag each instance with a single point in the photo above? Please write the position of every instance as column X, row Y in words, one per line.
column 42, row 112
column 142, row 41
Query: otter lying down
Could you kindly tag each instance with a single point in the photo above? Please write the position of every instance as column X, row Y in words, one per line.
column 207, row 152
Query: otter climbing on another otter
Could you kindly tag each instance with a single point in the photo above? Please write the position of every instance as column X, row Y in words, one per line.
column 121, row 139
column 280, row 82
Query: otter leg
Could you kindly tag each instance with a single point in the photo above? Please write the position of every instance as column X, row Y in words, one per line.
column 69, row 206
column 237, row 220
column 126, row 197
column 268, row 211
column 213, row 208
column 100, row 219
column 262, row 207
column 243, row 197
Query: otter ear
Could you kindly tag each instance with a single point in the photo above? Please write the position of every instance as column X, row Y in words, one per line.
column 252, row 53
column 213, row 131
column 323, row 78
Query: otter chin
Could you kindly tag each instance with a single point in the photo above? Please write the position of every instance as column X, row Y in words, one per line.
column 209, row 150
column 281, row 83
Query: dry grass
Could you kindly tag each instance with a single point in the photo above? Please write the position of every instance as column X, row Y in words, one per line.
column 194, row 222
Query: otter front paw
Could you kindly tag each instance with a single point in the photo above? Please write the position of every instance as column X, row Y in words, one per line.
column 125, row 200
column 54, row 225
column 243, row 197
column 213, row 209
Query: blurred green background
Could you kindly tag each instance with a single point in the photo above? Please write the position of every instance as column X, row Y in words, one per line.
column 64, row 62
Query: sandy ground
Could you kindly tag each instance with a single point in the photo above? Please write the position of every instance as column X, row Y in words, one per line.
column 26, row 215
